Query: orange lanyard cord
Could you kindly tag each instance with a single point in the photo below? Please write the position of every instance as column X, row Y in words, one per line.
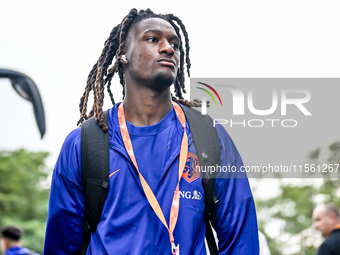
column 147, row 190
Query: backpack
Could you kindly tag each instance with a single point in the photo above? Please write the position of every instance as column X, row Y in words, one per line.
column 95, row 168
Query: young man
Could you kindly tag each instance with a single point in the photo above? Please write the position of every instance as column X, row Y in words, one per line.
column 326, row 219
column 11, row 241
column 155, row 200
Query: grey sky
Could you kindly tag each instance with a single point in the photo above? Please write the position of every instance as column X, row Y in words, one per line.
column 57, row 43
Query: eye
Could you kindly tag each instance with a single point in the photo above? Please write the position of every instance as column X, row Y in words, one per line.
column 175, row 46
column 152, row 39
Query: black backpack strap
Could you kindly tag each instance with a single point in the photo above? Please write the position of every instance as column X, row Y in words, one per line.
column 206, row 142
column 95, row 162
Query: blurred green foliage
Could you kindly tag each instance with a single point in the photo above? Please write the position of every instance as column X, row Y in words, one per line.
column 291, row 210
column 24, row 193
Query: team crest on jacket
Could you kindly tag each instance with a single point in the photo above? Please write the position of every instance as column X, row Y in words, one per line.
column 190, row 172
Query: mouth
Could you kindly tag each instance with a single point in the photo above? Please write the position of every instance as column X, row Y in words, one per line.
column 166, row 62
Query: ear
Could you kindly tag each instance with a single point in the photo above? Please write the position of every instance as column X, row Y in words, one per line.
column 4, row 245
column 333, row 216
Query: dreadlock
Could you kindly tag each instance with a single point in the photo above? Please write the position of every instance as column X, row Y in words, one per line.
column 101, row 74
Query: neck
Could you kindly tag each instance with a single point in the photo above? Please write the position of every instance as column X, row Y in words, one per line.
column 143, row 106
column 11, row 244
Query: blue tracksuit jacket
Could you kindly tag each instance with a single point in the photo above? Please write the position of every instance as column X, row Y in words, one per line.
column 16, row 250
column 128, row 224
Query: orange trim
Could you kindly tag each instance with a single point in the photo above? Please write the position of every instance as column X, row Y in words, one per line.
column 113, row 173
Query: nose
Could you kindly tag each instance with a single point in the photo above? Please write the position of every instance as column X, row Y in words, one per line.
column 316, row 225
column 165, row 47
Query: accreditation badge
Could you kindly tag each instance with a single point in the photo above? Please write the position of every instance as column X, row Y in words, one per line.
column 176, row 250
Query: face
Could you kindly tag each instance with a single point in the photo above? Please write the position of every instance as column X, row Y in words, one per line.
column 152, row 52
column 323, row 221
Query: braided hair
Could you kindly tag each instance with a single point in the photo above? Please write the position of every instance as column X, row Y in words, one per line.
column 101, row 74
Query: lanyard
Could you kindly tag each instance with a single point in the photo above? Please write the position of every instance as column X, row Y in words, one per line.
column 147, row 190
